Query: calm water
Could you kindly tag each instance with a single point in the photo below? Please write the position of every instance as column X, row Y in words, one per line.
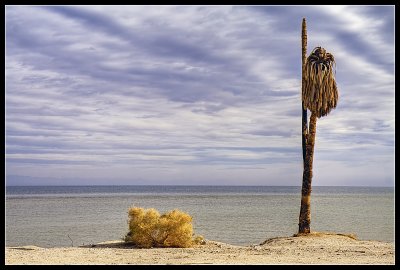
column 46, row 215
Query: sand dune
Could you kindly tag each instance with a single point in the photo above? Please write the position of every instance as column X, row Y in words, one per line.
column 316, row 248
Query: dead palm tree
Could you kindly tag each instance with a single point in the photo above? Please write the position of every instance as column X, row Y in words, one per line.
column 303, row 108
column 320, row 96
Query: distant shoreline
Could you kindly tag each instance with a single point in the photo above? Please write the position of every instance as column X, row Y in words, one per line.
column 178, row 185
column 316, row 248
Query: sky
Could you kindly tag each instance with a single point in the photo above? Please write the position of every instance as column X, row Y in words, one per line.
column 194, row 95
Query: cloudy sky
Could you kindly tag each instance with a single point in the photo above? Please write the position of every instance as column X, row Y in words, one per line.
column 194, row 95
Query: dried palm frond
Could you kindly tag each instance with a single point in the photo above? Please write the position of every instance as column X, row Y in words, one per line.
column 320, row 94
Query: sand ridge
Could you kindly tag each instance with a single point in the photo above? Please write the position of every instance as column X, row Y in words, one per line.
column 315, row 248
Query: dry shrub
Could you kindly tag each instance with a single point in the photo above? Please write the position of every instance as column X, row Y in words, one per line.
column 172, row 229
column 142, row 226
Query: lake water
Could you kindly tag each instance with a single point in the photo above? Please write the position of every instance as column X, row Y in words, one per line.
column 50, row 216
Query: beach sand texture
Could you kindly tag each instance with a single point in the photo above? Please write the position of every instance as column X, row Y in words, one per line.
column 316, row 248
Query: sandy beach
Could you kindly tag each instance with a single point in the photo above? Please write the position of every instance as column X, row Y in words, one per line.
column 316, row 248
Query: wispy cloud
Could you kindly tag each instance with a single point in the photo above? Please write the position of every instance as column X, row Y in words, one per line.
column 194, row 94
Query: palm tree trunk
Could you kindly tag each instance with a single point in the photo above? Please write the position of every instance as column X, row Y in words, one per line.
column 304, row 132
column 303, row 109
column 305, row 210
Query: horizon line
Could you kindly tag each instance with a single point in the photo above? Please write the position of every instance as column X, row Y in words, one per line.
column 189, row 185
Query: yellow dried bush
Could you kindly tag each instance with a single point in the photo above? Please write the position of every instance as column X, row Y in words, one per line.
column 176, row 228
column 172, row 229
column 142, row 225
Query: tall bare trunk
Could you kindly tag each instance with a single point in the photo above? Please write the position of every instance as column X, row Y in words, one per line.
column 305, row 210
column 303, row 109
